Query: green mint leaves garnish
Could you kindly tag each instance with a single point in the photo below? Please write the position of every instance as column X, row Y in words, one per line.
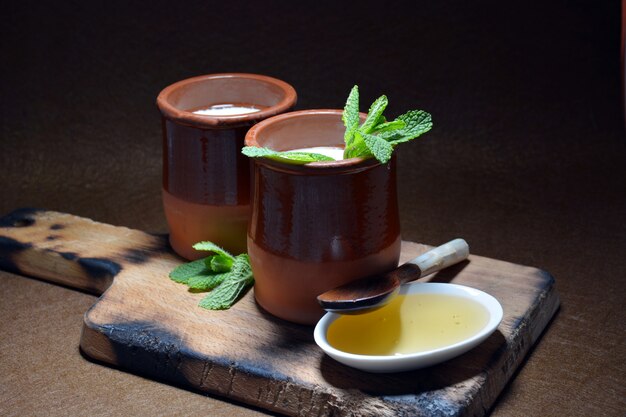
column 225, row 275
column 225, row 294
column 376, row 137
column 298, row 158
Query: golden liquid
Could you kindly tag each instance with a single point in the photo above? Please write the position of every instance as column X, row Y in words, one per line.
column 409, row 324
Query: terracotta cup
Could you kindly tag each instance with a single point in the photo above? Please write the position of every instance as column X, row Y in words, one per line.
column 206, row 179
column 319, row 225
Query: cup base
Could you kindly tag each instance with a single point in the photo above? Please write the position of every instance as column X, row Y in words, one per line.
column 190, row 223
column 288, row 288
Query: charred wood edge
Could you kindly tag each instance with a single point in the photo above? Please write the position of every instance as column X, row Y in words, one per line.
column 149, row 350
column 9, row 248
column 99, row 271
column 21, row 217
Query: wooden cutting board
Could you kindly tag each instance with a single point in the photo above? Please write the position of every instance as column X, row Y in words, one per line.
column 146, row 324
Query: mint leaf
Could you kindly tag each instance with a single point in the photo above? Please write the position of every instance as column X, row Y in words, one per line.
column 224, row 296
column 206, row 282
column 374, row 115
column 297, row 158
column 381, row 120
column 390, row 126
column 184, row 272
column 219, row 263
column 358, row 148
column 238, row 279
column 257, row 152
column 379, row 147
column 350, row 115
column 228, row 276
column 303, row 157
column 417, row 123
column 212, row 247
column 241, row 267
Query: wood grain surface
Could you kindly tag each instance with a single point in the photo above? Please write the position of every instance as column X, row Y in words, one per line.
column 147, row 324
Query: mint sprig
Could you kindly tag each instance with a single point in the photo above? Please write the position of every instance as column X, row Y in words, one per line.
column 376, row 137
column 225, row 275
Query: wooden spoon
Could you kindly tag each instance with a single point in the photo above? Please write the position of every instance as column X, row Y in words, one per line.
column 373, row 292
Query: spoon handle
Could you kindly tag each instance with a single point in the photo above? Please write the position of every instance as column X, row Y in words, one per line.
column 441, row 257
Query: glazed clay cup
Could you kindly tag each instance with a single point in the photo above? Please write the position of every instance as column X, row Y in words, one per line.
column 319, row 225
column 206, row 179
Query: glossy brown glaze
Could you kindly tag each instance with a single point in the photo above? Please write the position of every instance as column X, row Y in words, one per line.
column 320, row 225
column 206, row 180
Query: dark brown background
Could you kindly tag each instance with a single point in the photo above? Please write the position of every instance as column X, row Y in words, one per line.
column 527, row 161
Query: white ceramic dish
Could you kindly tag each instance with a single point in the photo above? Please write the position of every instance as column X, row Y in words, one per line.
column 407, row 362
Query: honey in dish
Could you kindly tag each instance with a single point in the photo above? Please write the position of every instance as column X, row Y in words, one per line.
column 409, row 324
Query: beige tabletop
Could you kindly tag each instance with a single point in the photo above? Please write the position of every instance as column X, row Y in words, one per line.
column 527, row 162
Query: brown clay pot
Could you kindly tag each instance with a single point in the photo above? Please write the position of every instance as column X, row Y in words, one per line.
column 319, row 225
column 206, row 180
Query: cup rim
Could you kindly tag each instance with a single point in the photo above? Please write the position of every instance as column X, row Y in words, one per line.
column 254, row 132
column 186, row 117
